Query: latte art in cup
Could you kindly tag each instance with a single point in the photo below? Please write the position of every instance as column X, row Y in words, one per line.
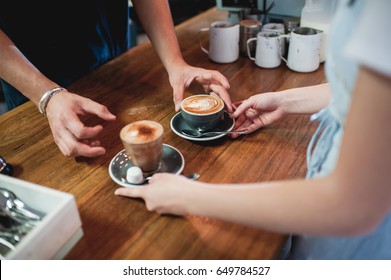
column 199, row 104
column 202, row 112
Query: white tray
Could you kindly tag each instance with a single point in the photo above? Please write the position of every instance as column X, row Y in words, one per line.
column 58, row 231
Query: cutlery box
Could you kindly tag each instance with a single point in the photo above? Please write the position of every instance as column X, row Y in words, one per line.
column 60, row 228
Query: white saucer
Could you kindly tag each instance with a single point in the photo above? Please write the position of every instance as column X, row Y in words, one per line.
column 172, row 162
column 177, row 123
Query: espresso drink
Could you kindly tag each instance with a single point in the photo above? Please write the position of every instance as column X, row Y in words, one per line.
column 143, row 143
column 202, row 112
column 202, row 104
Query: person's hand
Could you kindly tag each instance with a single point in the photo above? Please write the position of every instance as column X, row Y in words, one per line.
column 212, row 82
column 70, row 134
column 257, row 111
column 161, row 194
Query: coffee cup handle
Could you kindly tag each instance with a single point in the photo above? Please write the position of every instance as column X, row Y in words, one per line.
column 279, row 39
column 248, row 48
column 206, row 29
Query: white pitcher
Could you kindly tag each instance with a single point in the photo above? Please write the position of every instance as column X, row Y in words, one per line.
column 223, row 41
column 318, row 14
column 304, row 49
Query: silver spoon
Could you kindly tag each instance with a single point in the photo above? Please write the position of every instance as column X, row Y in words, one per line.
column 11, row 237
column 191, row 176
column 5, row 248
column 197, row 133
column 17, row 208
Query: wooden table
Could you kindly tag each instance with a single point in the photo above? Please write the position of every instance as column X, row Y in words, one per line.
column 135, row 86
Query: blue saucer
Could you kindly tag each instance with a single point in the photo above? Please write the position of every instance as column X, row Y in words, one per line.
column 172, row 162
column 178, row 124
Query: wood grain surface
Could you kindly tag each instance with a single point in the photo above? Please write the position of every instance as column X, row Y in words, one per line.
column 135, row 86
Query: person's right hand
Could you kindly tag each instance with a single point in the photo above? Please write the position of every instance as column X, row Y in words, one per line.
column 69, row 132
column 164, row 193
column 257, row 111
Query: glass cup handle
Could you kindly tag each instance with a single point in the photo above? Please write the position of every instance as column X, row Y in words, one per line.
column 206, row 29
column 248, row 48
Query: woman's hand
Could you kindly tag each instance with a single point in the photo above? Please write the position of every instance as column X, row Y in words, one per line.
column 162, row 194
column 71, row 135
column 257, row 111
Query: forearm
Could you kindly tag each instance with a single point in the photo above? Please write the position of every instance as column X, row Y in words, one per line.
column 312, row 207
column 306, row 100
column 352, row 200
column 20, row 73
column 156, row 19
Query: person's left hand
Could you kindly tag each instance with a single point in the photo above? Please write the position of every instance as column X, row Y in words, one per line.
column 212, row 81
column 162, row 193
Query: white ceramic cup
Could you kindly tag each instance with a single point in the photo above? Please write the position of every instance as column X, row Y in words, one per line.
column 223, row 41
column 268, row 50
column 304, row 49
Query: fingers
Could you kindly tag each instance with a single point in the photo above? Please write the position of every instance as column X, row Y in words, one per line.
column 80, row 131
column 215, row 77
column 215, row 82
column 241, row 123
column 71, row 135
column 223, row 94
column 70, row 146
column 97, row 109
column 76, row 139
column 243, row 106
column 130, row 192
column 246, row 124
column 92, row 143
column 89, row 151
column 156, row 177
column 238, row 122
column 236, row 104
column 181, row 79
column 138, row 192
column 206, row 88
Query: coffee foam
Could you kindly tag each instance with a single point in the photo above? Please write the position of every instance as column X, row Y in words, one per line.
column 202, row 104
column 141, row 132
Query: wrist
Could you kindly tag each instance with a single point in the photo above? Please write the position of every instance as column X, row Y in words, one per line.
column 175, row 64
column 44, row 101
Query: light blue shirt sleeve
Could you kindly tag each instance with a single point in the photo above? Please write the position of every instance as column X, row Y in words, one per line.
column 370, row 44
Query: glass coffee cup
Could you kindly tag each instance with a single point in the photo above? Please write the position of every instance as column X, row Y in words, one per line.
column 143, row 143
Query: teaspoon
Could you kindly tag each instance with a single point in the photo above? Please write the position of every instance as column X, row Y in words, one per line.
column 5, row 248
column 17, row 207
column 197, row 133
column 191, row 176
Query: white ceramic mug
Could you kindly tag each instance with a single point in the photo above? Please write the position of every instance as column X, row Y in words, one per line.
column 223, row 41
column 304, row 49
column 268, row 50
